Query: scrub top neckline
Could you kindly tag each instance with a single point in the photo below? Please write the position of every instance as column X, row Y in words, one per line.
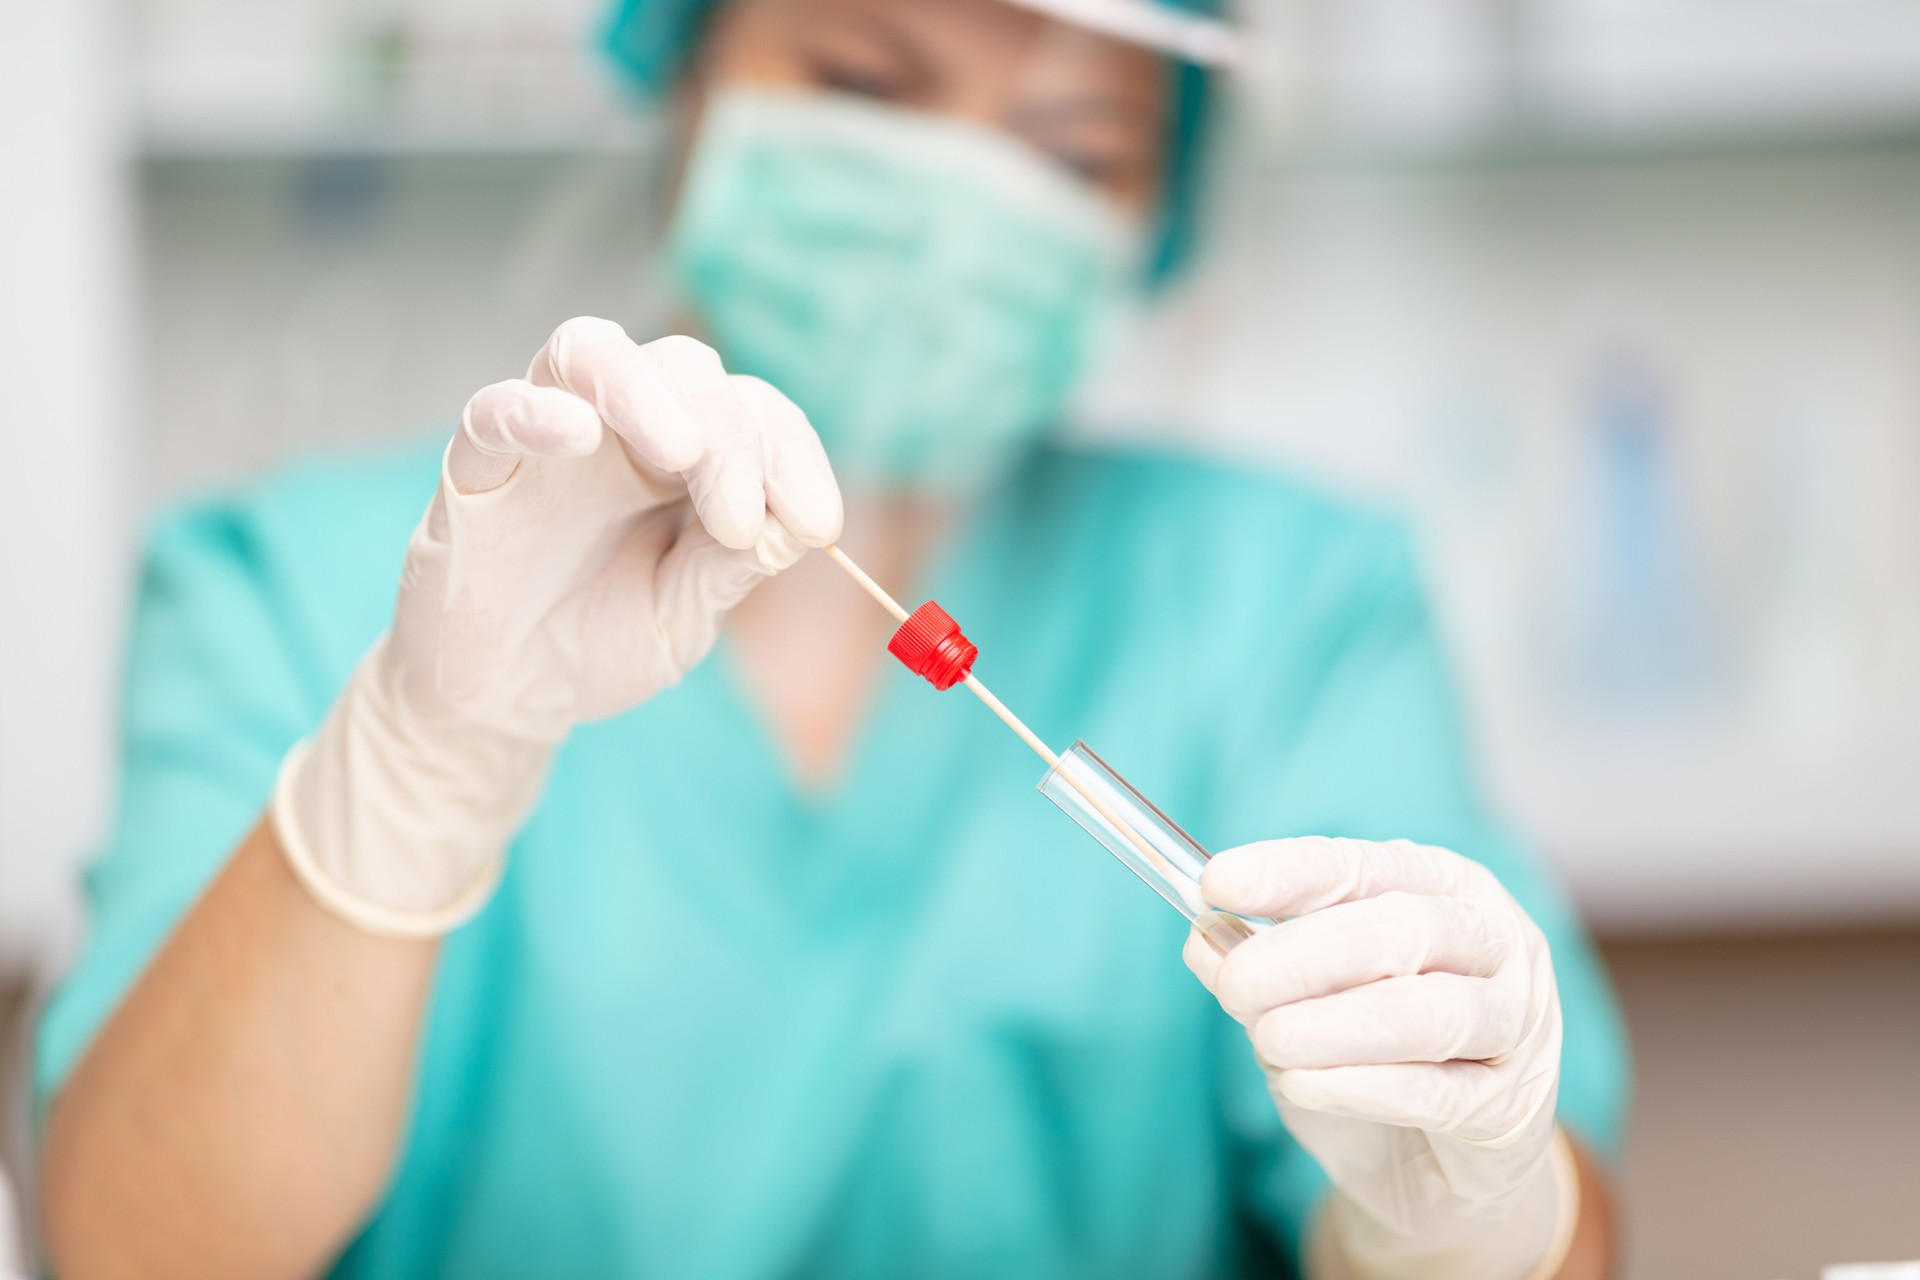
column 887, row 711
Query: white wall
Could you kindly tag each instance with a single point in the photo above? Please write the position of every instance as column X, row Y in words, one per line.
column 1433, row 334
column 64, row 329
column 64, row 326
column 321, row 300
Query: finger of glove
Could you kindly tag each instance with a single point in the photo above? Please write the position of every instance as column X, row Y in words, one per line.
column 700, row 578
column 1351, row 944
column 1440, row 1097
column 510, row 420
column 1308, row 873
column 1432, row 1017
column 1202, row 958
column 801, row 490
column 728, row 482
column 596, row 361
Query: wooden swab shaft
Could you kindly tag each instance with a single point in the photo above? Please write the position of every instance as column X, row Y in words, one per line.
column 1026, row 735
column 1013, row 722
column 980, row 691
column 867, row 584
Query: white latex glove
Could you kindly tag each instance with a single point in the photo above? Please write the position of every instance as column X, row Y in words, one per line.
column 1406, row 1016
column 593, row 524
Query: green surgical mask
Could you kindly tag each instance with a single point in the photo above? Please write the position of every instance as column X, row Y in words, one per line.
column 927, row 291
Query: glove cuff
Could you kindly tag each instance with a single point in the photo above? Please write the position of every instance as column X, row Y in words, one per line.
column 362, row 913
column 1566, row 1182
column 400, row 831
column 1529, row 1242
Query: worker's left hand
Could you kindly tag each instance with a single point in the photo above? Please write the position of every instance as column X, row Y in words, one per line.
column 1405, row 1013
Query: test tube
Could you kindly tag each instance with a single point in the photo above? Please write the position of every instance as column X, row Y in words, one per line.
column 1152, row 845
column 930, row 644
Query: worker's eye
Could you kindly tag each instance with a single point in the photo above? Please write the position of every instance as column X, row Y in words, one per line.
column 1110, row 147
column 862, row 77
column 1121, row 171
column 1099, row 169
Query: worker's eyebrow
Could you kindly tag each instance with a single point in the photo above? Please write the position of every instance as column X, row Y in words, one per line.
column 888, row 34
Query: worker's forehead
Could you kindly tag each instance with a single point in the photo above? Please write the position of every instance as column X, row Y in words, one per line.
column 988, row 34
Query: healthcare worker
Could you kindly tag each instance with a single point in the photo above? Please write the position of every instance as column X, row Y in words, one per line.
column 499, row 926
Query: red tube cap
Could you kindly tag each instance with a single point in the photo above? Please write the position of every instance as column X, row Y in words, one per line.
column 931, row 646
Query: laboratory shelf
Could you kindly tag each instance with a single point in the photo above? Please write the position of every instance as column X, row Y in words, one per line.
column 1551, row 146
column 163, row 139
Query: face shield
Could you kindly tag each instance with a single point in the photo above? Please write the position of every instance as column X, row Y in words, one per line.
column 920, row 221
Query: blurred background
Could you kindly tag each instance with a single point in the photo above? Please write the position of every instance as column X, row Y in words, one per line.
column 1618, row 299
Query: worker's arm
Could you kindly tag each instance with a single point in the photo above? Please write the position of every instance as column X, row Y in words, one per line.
column 1592, row 1255
column 593, row 524
column 240, row 1112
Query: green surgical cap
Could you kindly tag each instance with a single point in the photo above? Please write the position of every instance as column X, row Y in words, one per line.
column 651, row 40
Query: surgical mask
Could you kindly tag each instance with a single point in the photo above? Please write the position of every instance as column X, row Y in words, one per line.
column 927, row 291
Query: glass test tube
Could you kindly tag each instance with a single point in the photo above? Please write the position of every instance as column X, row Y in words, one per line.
column 1154, row 848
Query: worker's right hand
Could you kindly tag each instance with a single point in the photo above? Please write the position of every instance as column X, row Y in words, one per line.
column 594, row 523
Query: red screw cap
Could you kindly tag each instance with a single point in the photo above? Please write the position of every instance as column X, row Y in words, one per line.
column 931, row 646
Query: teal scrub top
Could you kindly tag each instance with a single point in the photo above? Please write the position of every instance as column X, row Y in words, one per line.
column 716, row 1026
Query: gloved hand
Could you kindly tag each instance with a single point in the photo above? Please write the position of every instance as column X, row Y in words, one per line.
column 593, row 524
column 1405, row 1013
